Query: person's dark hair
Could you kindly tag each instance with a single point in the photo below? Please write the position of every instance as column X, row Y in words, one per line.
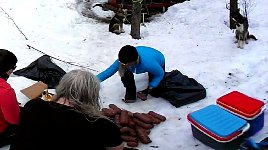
column 127, row 54
column 81, row 88
column 7, row 61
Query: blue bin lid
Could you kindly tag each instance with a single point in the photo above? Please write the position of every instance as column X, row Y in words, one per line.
column 218, row 120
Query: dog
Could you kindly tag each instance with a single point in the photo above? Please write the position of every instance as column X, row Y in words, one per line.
column 116, row 23
column 241, row 32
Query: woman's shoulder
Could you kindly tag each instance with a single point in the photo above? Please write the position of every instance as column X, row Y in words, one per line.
column 34, row 101
column 39, row 103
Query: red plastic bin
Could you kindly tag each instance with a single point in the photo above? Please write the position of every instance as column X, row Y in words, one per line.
column 246, row 107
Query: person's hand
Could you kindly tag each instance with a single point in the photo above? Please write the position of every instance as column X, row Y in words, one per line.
column 141, row 95
column 144, row 93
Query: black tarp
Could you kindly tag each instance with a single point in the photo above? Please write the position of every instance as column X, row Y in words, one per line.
column 179, row 89
column 43, row 69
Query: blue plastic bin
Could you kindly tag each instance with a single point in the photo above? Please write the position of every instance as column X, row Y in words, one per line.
column 217, row 127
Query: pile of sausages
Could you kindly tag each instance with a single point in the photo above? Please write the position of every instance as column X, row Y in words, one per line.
column 134, row 127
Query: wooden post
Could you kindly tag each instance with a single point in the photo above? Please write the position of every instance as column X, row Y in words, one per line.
column 233, row 7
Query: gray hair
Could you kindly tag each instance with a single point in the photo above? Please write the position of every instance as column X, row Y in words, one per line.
column 81, row 88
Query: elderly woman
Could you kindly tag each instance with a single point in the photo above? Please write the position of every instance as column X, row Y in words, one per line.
column 72, row 120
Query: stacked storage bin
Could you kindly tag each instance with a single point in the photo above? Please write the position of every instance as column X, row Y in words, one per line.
column 248, row 108
column 218, row 128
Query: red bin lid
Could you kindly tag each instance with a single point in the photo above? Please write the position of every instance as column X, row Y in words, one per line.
column 241, row 104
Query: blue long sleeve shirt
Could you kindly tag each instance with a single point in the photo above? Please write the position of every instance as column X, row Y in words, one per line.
column 150, row 60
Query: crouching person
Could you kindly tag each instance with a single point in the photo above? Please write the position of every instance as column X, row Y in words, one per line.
column 72, row 120
column 140, row 59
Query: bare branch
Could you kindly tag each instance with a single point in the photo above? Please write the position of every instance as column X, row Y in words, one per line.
column 14, row 22
column 247, row 6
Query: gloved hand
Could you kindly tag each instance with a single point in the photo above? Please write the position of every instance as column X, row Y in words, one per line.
column 144, row 93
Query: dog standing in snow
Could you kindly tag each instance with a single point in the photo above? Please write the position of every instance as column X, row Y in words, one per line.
column 241, row 33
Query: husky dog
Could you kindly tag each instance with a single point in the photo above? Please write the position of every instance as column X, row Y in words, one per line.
column 241, row 33
column 116, row 23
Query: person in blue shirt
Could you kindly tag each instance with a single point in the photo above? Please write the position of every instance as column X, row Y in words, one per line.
column 140, row 59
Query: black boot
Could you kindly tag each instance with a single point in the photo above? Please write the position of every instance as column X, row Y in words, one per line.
column 130, row 96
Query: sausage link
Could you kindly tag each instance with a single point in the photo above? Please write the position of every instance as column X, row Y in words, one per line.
column 128, row 131
column 160, row 117
column 154, row 119
column 128, row 138
column 115, row 108
column 142, row 124
column 124, row 117
column 143, row 117
column 131, row 123
column 143, row 136
column 108, row 112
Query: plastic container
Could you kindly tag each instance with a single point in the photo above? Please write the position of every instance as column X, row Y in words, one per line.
column 218, row 128
column 245, row 107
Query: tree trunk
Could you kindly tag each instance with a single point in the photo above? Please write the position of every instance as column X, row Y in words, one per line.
column 135, row 20
column 233, row 7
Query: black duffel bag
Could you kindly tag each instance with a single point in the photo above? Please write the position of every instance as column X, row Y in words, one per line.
column 179, row 89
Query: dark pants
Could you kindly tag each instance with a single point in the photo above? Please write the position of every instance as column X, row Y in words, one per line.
column 129, row 83
column 7, row 136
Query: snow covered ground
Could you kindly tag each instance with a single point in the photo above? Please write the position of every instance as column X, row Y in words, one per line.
column 194, row 36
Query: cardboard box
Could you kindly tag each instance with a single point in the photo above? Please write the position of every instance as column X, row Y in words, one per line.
column 34, row 90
